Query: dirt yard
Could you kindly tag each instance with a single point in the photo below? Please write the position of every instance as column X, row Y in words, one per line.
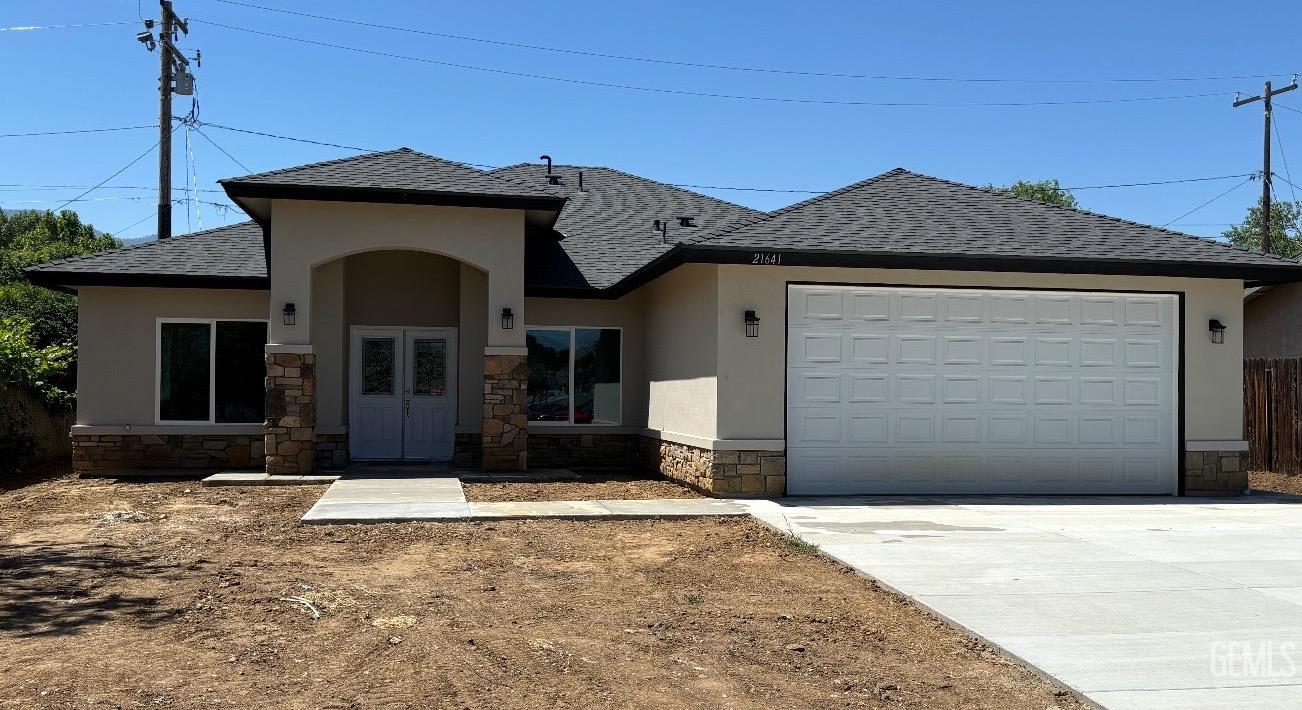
column 590, row 486
column 1275, row 482
column 171, row 595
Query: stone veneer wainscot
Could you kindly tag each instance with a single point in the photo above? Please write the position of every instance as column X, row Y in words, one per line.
column 1215, row 471
column 118, row 452
column 724, row 473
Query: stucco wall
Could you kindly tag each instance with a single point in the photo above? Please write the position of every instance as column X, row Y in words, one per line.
column 117, row 348
column 625, row 313
column 306, row 234
column 752, row 376
column 403, row 289
column 682, row 356
column 1272, row 323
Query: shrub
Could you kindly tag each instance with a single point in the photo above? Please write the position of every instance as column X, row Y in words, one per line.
column 26, row 366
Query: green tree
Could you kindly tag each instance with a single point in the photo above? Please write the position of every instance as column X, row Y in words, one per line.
column 1046, row 191
column 32, row 368
column 32, row 237
column 1285, row 229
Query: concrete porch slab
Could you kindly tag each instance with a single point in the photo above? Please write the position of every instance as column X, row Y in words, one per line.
column 258, row 478
column 570, row 509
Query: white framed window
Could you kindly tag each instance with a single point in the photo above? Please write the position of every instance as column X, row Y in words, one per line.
column 209, row 371
column 575, row 374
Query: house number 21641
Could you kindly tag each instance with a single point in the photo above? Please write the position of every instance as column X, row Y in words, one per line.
column 766, row 257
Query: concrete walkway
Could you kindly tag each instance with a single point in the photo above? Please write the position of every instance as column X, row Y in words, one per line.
column 1134, row 602
column 402, row 499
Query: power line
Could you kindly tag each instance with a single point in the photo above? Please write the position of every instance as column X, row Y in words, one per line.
column 30, row 28
column 101, row 182
column 1223, row 194
column 226, row 153
column 694, row 186
column 1290, row 182
column 79, row 130
column 136, row 223
column 706, row 94
column 1284, row 156
column 20, row 187
column 289, row 138
column 1288, row 108
column 727, row 67
column 1159, row 182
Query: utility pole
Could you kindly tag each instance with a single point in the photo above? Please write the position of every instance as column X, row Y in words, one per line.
column 173, row 77
column 1265, row 159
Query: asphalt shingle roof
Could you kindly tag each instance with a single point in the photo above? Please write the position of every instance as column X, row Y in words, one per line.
column 605, row 232
column 905, row 213
column 234, row 251
column 398, row 170
column 608, row 226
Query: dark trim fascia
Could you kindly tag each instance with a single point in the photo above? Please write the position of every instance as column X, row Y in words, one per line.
column 963, row 262
column 391, row 196
column 62, row 280
column 689, row 254
column 562, row 292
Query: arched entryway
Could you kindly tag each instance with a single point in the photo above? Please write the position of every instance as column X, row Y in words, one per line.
column 399, row 337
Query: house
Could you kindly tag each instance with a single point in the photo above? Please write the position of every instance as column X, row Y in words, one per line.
column 1272, row 321
column 904, row 334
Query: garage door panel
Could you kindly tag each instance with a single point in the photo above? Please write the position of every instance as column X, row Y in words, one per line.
column 1029, row 392
column 1062, row 472
column 869, row 349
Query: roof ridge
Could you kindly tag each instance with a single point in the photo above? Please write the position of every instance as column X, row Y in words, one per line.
column 1078, row 210
column 765, row 216
column 712, row 198
column 129, row 247
column 643, row 178
column 321, row 163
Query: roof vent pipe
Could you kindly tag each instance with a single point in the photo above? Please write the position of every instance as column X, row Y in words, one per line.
column 548, row 158
column 581, row 181
column 662, row 226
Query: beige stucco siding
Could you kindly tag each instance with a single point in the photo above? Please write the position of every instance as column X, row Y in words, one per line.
column 306, row 234
column 1273, row 323
column 396, row 289
column 752, row 376
column 682, row 355
column 625, row 313
column 117, row 344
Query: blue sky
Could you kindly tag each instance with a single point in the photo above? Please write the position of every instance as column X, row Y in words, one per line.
column 95, row 77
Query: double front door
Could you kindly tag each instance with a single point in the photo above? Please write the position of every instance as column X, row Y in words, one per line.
column 402, row 393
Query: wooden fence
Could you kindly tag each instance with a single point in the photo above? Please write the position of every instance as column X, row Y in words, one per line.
column 1272, row 413
column 22, row 415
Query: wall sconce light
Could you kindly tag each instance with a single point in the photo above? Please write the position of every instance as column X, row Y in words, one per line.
column 291, row 314
column 1217, row 330
column 752, row 324
column 508, row 319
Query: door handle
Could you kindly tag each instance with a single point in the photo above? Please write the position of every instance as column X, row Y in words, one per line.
column 406, row 403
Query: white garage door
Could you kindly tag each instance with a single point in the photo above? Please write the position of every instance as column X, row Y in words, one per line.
column 904, row 390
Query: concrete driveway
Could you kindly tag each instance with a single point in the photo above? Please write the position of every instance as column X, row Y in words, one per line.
column 1134, row 602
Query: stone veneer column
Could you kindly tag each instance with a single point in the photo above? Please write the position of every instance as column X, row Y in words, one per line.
column 290, row 426
column 505, row 432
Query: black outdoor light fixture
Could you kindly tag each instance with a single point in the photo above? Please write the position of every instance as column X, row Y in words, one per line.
column 1217, row 330
column 291, row 314
column 752, row 324
column 508, row 319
